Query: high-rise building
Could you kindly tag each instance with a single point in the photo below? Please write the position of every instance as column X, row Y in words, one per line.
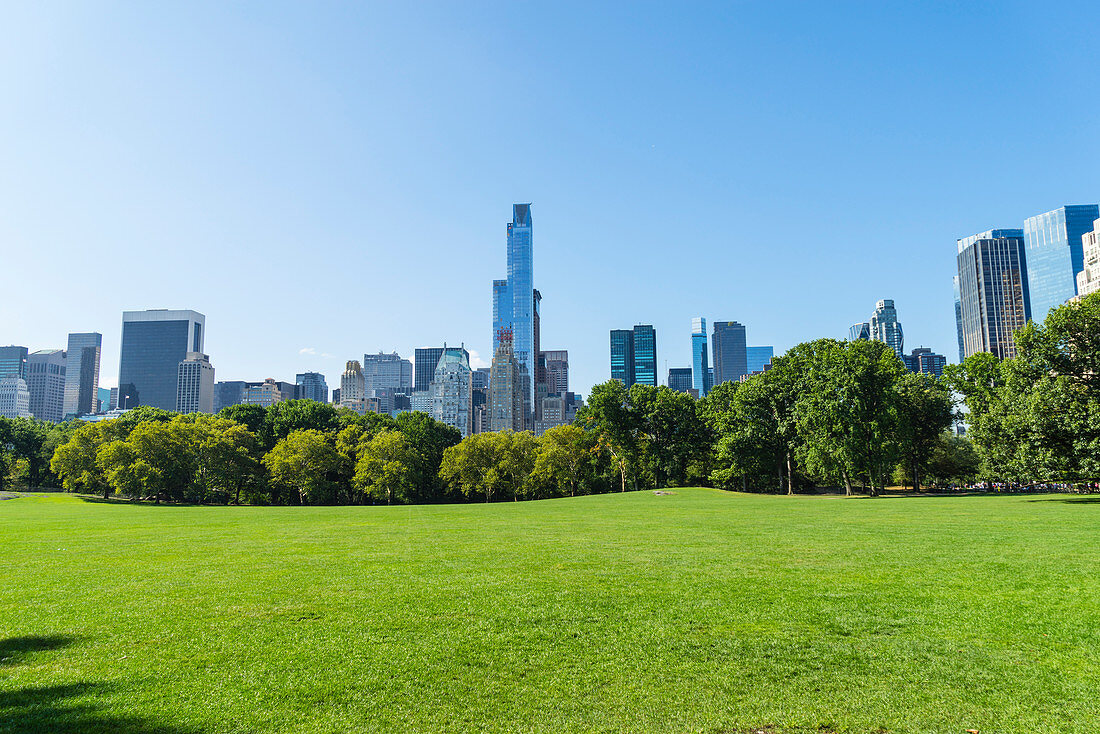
column 450, row 390
column 265, row 393
column 15, row 398
column 731, row 358
column 353, row 387
column 645, row 355
column 13, row 362
column 759, row 358
column 886, row 328
column 700, row 363
column 390, row 371
column 925, row 360
column 556, row 363
column 680, row 379
column 46, row 384
column 228, row 392
column 622, row 356
column 82, row 372
column 104, row 394
column 1088, row 280
column 552, row 412
column 425, row 361
column 154, row 342
column 479, row 400
column 1055, row 255
column 195, row 384
column 958, row 315
column 506, row 404
column 859, row 331
column 312, row 386
column 515, row 303
column 993, row 291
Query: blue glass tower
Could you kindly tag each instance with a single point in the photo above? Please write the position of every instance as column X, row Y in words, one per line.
column 645, row 355
column 1052, row 246
column 759, row 358
column 700, row 367
column 622, row 356
column 514, row 301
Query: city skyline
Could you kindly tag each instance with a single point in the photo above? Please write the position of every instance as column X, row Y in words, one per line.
column 207, row 191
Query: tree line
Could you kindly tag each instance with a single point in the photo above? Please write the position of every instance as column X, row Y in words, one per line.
column 828, row 414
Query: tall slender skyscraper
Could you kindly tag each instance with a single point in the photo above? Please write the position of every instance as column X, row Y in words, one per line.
column 154, row 343
column 993, row 291
column 505, row 388
column 700, row 363
column 82, row 372
column 958, row 316
column 886, row 328
column 731, row 358
column 1055, row 255
column 515, row 303
column 451, row 391
column 645, row 355
column 622, row 356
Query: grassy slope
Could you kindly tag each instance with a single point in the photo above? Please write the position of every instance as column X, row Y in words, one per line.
column 702, row 611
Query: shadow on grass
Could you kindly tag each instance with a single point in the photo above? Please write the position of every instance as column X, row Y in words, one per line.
column 1087, row 499
column 63, row 709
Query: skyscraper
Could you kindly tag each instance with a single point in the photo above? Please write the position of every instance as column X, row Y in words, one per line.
column 886, row 328
column 700, row 363
column 479, row 400
column 859, row 331
column 731, row 358
column 515, row 303
column 228, row 392
column 425, row 361
column 958, row 315
column 154, row 343
column 195, row 384
column 925, row 360
column 15, row 397
column 391, row 372
column 450, row 389
column 645, row 355
column 1088, row 280
column 993, row 291
column 312, row 385
column 681, row 379
column 1054, row 255
column 265, row 393
column 82, row 372
column 556, row 366
column 622, row 356
column 759, row 358
column 506, row 405
column 46, row 384
column 353, row 390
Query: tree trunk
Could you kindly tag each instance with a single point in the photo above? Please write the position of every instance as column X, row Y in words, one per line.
column 790, row 478
column 847, row 483
column 106, row 491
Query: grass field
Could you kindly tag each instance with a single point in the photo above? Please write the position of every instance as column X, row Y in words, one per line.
column 702, row 611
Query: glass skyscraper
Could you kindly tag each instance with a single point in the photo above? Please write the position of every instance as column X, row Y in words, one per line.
column 886, row 328
column 681, row 379
column 153, row 345
column 700, row 363
column 514, row 302
column 1055, row 255
column 312, row 386
column 731, row 359
column 645, row 355
column 622, row 356
column 82, row 372
column 759, row 357
column 993, row 291
column 958, row 316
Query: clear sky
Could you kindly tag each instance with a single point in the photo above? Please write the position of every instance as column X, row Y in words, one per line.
column 323, row 180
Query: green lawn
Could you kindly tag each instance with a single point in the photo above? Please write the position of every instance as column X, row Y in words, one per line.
column 703, row 611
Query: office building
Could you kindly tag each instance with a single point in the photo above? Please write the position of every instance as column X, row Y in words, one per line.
column 228, row 392
column 479, row 400
column 886, row 328
column 265, row 393
column 553, row 413
column 195, row 384
column 391, row 372
column 993, row 291
column 731, row 359
column 859, row 331
column 353, row 387
column 700, row 362
column 1054, row 255
column 13, row 362
column 450, row 390
column 82, row 372
column 515, row 303
column 46, row 384
column 556, row 363
column 925, row 360
column 104, row 398
column 15, row 398
column 681, row 379
column 335, row 396
column 1088, row 280
column 958, row 315
column 312, row 386
column 153, row 344
column 759, row 358
column 622, row 356
column 506, row 404
column 645, row 355
column 425, row 360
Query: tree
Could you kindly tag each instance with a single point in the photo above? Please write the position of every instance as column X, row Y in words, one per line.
column 953, row 460
column 306, row 463
column 431, row 439
column 384, row 470
column 74, row 462
column 490, row 465
column 157, row 459
column 924, row 411
column 252, row 417
column 673, row 434
column 564, row 460
column 285, row 417
column 609, row 414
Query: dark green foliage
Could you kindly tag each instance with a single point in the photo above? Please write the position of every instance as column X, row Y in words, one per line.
column 252, row 417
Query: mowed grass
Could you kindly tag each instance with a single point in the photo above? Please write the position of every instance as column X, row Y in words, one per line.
column 702, row 611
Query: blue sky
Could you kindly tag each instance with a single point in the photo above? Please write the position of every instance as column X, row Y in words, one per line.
column 323, row 180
